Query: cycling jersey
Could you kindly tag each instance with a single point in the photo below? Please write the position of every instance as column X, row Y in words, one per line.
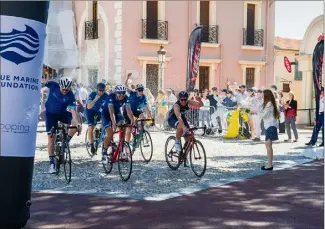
column 99, row 103
column 56, row 102
column 136, row 103
column 172, row 119
column 112, row 101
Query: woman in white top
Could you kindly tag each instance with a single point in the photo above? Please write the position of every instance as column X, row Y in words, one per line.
column 270, row 116
column 204, row 113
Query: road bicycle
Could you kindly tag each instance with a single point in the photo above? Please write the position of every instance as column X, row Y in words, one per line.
column 62, row 154
column 192, row 149
column 99, row 136
column 121, row 153
column 142, row 139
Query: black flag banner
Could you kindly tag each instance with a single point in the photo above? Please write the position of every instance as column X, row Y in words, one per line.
column 193, row 57
column 318, row 56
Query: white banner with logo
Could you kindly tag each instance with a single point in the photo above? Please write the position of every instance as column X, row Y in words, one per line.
column 21, row 58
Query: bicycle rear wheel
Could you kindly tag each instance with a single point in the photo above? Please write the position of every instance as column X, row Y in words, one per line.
column 171, row 156
column 198, row 153
column 125, row 161
column 67, row 163
column 146, row 146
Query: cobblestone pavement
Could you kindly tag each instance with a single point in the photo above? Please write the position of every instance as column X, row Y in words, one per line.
column 227, row 160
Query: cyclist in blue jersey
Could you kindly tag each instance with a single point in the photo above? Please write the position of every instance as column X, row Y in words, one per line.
column 176, row 116
column 112, row 116
column 95, row 101
column 137, row 104
column 59, row 98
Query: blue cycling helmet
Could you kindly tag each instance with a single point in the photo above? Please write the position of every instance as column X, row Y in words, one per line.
column 183, row 94
column 101, row 86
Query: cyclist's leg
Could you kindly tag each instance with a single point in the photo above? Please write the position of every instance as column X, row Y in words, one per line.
column 51, row 121
column 128, row 129
column 91, row 126
column 66, row 118
column 107, row 126
column 173, row 122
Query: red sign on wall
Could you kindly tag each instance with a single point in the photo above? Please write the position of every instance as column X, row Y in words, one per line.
column 287, row 64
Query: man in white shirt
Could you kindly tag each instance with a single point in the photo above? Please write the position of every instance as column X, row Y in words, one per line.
column 319, row 124
column 83, row 94
column 242, row 96
column 171, row 99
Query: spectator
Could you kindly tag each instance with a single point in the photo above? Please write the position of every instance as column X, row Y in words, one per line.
column 171, row 99
column 250, row 101
column 229, row 101
column 213, row 98
column 282, row 117
column 290, row 117
column 205, row 110
column 242, row 96
column 83, row 94
column 319, row 124
column 195, row 95
column 162, row 108
column 270, row 115
column 151, row 98
column 256, row 110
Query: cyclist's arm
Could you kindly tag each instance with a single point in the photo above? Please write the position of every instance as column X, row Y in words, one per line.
column 195, row 103
column 111, row 113
column 92, row 100
column 74, row 113
column 178, row 115
column 129, row 113
column 126, row 82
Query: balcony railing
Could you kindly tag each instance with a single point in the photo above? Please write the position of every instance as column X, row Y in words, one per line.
column 154, row 30
column 253, row 37
column 210, row 33
column 91, row 30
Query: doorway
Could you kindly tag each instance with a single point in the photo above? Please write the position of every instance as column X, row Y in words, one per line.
column 204, row 78
column 152, row 71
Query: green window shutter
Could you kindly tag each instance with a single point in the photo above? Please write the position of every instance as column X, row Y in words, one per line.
column 298, row 74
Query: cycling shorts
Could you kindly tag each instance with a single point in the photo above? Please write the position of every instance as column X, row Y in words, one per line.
column 92, row 117
column 107, row 122
column 51, row 120
column 173, row 121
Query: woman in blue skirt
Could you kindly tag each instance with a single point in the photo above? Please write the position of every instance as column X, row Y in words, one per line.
column 270, row 116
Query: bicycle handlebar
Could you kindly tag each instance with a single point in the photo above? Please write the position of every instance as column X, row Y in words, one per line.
column 64, row 127
column 190, row 130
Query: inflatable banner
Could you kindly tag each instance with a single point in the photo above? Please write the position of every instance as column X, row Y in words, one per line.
column 318, row 56
column 22, row 41
column 193, row 57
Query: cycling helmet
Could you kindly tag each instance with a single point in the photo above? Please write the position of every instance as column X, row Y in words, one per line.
column 139, row 86
column 65, row 82
column 183, row 94
column 101, row 86
column 120, row 88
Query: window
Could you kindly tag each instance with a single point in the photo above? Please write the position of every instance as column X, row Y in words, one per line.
column 204, row 19
column 298, row 74
column 250, row 77
column 152, row 19
column 94, row 10
column 250, row 26
column 286, row 87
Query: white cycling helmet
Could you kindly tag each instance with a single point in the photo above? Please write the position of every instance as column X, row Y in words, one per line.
column 65, row 83
column 120, row 88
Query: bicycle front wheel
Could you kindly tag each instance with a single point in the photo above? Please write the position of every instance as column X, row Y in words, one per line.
column 197, row 155
column 146, row 146
column 171, row 156
column 67, row 163
column 125, row 161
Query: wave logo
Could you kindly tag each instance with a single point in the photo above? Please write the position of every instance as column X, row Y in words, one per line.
column 14, row 128
column 19, row 46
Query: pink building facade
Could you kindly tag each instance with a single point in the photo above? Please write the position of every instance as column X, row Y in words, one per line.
column 115, row 38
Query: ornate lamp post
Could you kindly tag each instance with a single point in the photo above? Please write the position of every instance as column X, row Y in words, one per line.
column 161, row 60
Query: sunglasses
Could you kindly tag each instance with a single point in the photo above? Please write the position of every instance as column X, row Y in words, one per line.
column 101, row 90
column 140, row 90
column 65, row 90
column 183, row 100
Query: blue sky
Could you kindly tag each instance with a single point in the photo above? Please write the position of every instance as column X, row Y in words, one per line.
column 293, row 17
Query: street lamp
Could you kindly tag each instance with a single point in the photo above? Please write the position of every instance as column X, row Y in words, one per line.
column 161, row 60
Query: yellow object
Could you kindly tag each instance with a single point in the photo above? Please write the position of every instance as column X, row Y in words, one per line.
column 244, row 115
column 233, row 125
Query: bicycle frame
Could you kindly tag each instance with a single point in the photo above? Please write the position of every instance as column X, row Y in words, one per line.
column 121, row 133
column 136, row 128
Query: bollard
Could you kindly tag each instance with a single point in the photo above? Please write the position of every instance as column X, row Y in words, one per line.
column 22, row 40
